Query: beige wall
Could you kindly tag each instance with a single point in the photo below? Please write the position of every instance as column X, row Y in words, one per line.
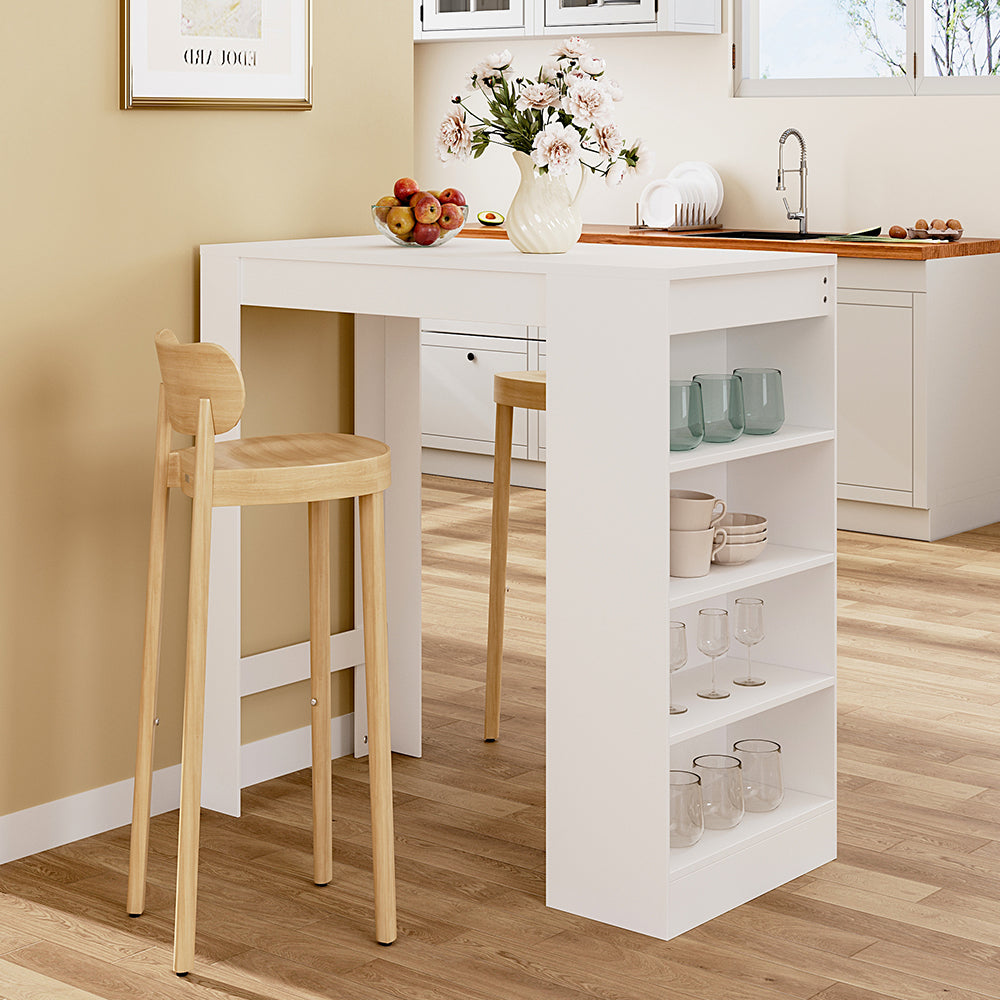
column 871, row 160
column 103, row 211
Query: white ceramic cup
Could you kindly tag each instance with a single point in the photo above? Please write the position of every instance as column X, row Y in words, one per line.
column 694, row 511
column 691, row 552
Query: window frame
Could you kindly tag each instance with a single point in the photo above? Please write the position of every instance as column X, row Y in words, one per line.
column 746, row 51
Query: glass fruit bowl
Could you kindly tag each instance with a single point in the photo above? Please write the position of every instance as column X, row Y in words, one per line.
column 416, row 236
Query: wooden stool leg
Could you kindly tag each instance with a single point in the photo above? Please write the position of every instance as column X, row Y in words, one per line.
column 498, row 568
column 142, row 793
column 371, row 511
column 319, row 663
column 194, row 696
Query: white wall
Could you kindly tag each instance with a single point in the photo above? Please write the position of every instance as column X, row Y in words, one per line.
column 872, row 161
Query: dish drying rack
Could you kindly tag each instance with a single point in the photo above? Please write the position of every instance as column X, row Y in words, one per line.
column 686, row 217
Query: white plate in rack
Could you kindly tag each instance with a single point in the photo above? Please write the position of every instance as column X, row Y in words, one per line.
column 658, row 203
column 706, row 177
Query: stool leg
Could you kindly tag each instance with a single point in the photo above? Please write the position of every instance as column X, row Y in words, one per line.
column 319, row 664
column 371, row 511
column 194, row 696
column 498, row 568
column 142, row 793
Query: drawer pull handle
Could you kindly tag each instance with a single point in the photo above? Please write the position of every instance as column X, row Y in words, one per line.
column 471, row 356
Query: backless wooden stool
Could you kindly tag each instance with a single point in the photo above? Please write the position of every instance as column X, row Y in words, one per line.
column 510, row 389
column 203, row 394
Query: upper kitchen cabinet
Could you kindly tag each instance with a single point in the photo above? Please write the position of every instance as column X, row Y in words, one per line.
column 447, row 20
column 575, row 13
column 450, row 16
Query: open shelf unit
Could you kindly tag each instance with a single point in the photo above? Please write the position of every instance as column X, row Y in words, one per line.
column 790, row 478
column 610, row 597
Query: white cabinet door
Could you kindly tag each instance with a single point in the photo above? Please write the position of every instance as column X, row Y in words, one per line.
column 875, row 393
column 457, row 409
column 458, row 15
column 587, row 12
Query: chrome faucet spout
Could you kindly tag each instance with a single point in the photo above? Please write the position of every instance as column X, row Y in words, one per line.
column 802, row 215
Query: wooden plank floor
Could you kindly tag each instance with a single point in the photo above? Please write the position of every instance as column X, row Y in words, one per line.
column 910, row 910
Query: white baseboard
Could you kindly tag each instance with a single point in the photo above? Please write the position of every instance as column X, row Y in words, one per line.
column 75, row 817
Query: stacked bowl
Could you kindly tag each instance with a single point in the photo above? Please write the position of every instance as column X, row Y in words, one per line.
column 746, row 538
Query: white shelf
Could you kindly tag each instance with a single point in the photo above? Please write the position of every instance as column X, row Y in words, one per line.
column 784, row 684
column 747, row 446
column 716, row 845
column 776, row 561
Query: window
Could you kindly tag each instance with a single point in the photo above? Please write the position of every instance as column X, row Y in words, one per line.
column 791, row 47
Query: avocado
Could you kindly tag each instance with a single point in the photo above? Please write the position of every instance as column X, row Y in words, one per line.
column 490, row 218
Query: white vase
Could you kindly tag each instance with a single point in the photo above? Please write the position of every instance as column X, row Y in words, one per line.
column 544, row 217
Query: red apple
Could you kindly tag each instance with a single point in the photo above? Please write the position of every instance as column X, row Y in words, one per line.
column 425, row 233
column 405, row 188
column 383, row 205
column 400, row 220
column 452, row 196
column 452, row 216
column 426, row 208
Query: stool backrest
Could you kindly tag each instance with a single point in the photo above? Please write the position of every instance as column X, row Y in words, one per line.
column 192, row 372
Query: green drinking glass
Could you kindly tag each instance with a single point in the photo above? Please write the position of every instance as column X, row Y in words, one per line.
column 687, row 417
column 763, row 402
column 722, row 402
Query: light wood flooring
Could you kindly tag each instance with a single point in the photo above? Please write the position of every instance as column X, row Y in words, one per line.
column 910, row 910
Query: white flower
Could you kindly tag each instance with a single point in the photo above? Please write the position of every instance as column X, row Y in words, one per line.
column 616, row 173
column 572, row 48
column 549, row 70
column 556, row 147
column 643, row 159
column 592, row 65
column 588, row 102
column 495, row 67
column 614, row 89
column 609, row 140
column 454, row 138
column 537, row 96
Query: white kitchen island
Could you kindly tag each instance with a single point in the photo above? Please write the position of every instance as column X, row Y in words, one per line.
column 619, row 322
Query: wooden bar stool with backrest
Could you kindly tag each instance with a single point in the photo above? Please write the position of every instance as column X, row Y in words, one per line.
column 203, row 394
column 510, row 389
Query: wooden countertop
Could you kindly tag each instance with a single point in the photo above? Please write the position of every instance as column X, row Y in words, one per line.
column 967, row 246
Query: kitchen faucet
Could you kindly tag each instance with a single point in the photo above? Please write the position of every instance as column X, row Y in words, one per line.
column 803, row 213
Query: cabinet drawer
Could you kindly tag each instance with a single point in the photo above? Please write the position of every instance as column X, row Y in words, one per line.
column 457, row 390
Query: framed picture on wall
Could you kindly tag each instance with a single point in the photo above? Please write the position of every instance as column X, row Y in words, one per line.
column 216, row 54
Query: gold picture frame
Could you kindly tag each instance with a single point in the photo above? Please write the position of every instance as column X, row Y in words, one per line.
column 227, row 54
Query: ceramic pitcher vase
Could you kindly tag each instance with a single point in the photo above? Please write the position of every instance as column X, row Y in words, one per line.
column 544, row 217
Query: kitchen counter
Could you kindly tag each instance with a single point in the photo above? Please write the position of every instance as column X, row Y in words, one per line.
column 917, row 349
column 967, row 246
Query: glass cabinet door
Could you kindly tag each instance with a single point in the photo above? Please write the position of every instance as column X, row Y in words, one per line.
column 457, row 15
column 599, row 12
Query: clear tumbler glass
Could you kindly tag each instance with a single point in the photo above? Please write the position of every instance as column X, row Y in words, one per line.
column 722, row 402
column 687, row 417
column 762, row 787
column 687, row 823
column 763, row 399
column 721, row 790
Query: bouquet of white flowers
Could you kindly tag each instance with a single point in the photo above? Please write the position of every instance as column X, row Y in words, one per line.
column 561, row 117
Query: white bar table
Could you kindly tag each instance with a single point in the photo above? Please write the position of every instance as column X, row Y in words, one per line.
column 610, row 315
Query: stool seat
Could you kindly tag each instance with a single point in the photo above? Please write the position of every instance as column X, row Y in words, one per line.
column 291, row 468
column 525, row 389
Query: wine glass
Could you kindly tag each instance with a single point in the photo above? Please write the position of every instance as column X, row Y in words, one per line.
column 749, row 630
column 678, row 656
column 713, row 641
